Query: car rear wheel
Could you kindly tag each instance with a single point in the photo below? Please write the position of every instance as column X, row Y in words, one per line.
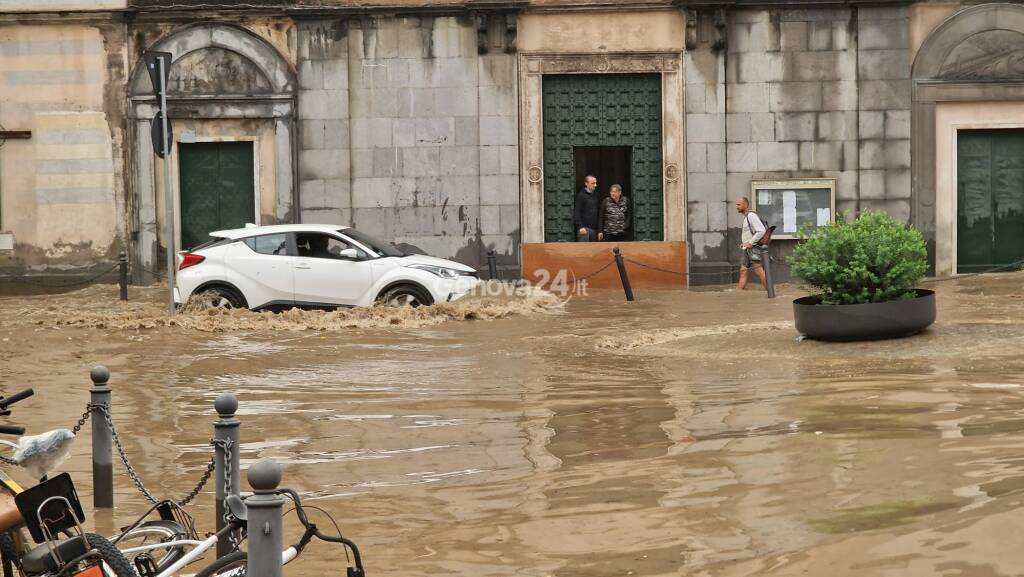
column 222, row 297
column 404, row 296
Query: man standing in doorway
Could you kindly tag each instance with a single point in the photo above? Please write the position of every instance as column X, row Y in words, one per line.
column 586, row 210
column 750, row 235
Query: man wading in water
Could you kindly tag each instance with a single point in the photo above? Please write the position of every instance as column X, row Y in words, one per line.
column 750, row 233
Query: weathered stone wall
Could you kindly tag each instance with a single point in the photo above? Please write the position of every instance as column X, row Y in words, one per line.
column 796, row 93
column 60, row 189
column 409, row 134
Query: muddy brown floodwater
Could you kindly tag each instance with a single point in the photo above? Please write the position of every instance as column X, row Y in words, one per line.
column 687, row 433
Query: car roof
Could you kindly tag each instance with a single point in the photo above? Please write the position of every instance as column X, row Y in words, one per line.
column 234, row 233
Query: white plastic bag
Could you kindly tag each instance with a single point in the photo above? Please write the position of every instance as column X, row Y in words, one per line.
column 40, row 454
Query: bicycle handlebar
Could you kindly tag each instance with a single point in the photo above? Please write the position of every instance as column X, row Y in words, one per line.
column 313, row 531
column 11, row 430
column 8, row 401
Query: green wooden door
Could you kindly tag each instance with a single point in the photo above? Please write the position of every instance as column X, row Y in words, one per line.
column 602, row 110
column 217, row 188
column 990, row 198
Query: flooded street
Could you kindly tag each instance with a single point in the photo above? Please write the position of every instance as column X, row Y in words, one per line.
column 687, row 433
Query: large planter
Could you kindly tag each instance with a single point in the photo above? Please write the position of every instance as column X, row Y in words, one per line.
column 865, row 321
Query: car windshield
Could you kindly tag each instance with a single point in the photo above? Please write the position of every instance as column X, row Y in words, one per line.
column 379, row 247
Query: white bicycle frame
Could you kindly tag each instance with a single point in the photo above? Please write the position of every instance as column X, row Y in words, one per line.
column 198, row 548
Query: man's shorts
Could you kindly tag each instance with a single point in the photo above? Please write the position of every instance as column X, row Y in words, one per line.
column 750, row 255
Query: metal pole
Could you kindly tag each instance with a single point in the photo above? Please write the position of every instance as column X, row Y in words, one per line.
column 264, row 512
column 122, row 277
column 622, row 274
column 168, row 197
column 492, row 265
column 102, row 455
column 766, row 262
column 225, row 428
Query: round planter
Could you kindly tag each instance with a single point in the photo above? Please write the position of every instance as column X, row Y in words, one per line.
column 865, row 321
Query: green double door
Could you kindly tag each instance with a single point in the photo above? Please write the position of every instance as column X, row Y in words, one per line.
column 218, row 189
column 990, row 199
column 602, row 113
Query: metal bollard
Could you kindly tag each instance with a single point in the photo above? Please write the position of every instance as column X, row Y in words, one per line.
column 225, row 428
column 766, row 262
column 265, row 527
column 622, row 274
column 122, row 277
column 492, row 265
column 102, row 447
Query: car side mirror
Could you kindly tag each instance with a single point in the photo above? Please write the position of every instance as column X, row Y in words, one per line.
column 349, row 253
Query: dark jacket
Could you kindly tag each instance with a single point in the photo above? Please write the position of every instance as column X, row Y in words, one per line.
column 614, row 216
column 586, row 210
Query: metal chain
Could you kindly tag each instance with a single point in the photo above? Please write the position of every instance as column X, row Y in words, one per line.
column 132, row 474
column 202, row 482
column 226, row 445
column 124, row 455
column 81, row 422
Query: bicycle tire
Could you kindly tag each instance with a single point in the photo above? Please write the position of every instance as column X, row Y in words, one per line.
column 111, row 555
column 165, row 531
column 225, row 565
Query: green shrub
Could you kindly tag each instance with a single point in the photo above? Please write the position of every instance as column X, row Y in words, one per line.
column 870, row 260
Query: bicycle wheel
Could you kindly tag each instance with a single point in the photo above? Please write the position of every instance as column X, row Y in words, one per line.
column 231, row 565
column 151, row 533
column 111, row 556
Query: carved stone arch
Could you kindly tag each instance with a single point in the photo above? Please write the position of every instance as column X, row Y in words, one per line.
column 217, row 37
column 968, row 73
column 972, row 24
column 226, row 84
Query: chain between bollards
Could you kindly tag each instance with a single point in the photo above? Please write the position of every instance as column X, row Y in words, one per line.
column 265, row 526
column 102, row 443
column 622, row 274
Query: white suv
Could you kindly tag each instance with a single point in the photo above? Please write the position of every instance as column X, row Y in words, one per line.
column 313, row 265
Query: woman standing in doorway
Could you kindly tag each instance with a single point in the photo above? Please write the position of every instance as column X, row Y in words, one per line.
column 614, row 216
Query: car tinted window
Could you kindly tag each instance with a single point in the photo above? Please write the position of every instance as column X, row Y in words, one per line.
column 276, row 244
column 319, row 245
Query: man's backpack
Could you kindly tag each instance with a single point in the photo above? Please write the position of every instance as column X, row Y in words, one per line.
column 768, row 230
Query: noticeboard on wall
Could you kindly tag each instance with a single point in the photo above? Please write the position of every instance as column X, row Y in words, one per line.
column 794, row 205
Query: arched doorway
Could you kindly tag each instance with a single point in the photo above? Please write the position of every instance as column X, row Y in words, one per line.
column 231, row 97
column 968, row 139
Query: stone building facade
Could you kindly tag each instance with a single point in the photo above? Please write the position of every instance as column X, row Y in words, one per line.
column 458, row 128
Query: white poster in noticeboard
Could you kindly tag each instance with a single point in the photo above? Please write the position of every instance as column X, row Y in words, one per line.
column 794, row 206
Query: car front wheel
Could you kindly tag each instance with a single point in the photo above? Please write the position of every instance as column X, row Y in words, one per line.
column 404, row 296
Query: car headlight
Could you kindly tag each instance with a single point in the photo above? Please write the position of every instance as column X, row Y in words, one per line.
column 443, row 272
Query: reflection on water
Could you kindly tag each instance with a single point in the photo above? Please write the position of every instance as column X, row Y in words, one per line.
column 682, row 434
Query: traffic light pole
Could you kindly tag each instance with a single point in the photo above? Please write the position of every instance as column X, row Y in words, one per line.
column 168, row 197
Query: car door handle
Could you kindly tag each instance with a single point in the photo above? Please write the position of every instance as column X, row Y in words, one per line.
column 302, row 265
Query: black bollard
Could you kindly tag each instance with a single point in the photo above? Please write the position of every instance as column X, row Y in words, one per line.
column 492, row 265
column 102, row 442
column 622, row 274
column 766, row 262
column 122, row 279
column 225, row 429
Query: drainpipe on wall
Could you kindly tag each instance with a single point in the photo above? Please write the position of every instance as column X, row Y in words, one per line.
column 855, row 38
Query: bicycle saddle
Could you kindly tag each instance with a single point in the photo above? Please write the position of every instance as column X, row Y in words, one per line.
column 237, row 508
column 39, row 560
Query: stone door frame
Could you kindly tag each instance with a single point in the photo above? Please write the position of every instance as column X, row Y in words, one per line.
column 933, row 198
column 533, row 67
column 279, row 107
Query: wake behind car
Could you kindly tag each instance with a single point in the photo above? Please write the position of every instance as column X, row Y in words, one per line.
column 311, row 265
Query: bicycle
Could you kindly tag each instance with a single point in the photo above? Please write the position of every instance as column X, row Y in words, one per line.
column 40, row 454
